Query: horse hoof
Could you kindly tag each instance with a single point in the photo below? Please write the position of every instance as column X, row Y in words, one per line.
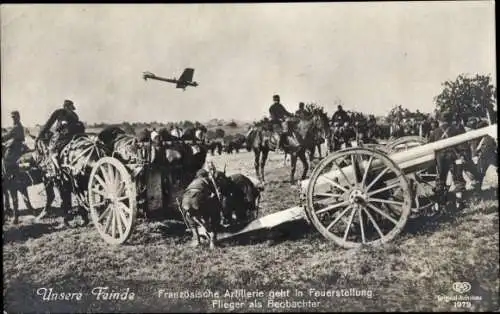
column 15, row 221
column 41, row 215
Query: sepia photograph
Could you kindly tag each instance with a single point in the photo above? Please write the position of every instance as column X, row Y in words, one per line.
column 249, row 157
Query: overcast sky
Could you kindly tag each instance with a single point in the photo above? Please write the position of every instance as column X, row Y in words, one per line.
column 369, row 55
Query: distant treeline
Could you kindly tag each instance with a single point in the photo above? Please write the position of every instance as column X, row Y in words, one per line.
column 186, row 124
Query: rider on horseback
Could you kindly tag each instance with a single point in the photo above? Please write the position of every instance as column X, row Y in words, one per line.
column 15, row 145
column 67, row 125
column 301, row 113
column 340, row 115
column 279, row 115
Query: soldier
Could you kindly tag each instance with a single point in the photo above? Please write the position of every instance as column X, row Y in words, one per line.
column 176, row 132
column 277, row 111
column 67, row 124
column 301, row 113
column 340, row 115
column 447, row 160
column 278, row 115
column 14, row 143
column 154, row 134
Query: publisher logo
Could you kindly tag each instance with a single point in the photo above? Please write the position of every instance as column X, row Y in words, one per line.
column 461, row 287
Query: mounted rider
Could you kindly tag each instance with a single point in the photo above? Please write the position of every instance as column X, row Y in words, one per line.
column 176, row 132
column 200, row 134
column 301, row 113
column 154, row 134
column 14, row 143
column 67, row 125
column 340, row 116
column 279, row 115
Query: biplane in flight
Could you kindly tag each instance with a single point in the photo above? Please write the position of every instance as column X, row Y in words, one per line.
column 184, row 81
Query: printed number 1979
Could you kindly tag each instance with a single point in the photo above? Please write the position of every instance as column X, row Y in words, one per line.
column 461, row 304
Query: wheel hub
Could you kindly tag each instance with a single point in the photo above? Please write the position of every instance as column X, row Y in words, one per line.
column 357, row 196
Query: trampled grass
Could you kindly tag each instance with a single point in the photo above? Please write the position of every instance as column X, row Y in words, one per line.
column 412, row 273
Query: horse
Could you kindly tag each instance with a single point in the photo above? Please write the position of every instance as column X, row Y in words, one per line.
column 241, row 199
column 301, row 138
column 397, row 130
column 18, row 179
column 79, row 152
column 212, row 198
column 233, row 143
column 214, row 145
column 321, row 135
column 261, row 139
column 341, row 135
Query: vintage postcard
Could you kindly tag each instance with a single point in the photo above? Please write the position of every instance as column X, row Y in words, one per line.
column 254, row 157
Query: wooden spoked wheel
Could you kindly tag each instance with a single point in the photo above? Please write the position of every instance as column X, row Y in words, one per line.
column 112, row 200
column 353, row 198
column 422, row 182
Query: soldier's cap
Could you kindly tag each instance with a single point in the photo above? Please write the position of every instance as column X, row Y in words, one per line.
column 202, row 173
column 15, row 113
column 68, row 104
column 276, row 97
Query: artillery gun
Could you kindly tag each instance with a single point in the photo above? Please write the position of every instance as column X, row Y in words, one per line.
column 363, row 196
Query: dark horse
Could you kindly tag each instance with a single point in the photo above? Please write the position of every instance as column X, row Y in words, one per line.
column 322, row 132
column 212, row 198
column 301, row 137
column 18, row 179
column 261, row 140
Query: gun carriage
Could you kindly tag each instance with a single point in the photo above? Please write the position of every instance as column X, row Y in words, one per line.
column 364, row 196
column 134, row 177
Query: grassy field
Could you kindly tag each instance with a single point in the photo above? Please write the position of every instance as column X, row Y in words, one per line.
column 413, row 273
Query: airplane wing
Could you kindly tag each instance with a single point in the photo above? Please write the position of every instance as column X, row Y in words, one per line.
column 187, row 75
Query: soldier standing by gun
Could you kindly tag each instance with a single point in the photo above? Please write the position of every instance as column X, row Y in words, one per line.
column 448, row 161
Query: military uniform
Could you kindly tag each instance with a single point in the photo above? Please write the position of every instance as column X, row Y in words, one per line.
column 278, row 115
column 301, row 113
column 341, row 116
column 67, row 125
column 448, row 160
column 14, row 147
column 278, row 112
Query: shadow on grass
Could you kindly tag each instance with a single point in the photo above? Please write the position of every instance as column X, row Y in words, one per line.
column 171, row 228
column 448, row 216
column 23, row 233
